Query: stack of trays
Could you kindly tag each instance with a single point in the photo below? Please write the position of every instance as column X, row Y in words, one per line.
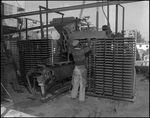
column 111, row 68
column 33, row 52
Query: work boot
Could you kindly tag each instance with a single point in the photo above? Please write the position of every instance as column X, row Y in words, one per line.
column 80, row 102
column 73, row 98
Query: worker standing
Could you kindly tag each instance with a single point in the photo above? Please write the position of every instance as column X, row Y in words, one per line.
column 79, row 77
column 11, row 66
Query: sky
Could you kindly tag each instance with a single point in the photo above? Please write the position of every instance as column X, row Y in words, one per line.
column 136, row 13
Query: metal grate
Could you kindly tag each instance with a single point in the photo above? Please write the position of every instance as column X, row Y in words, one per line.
column 32, row 52
column 111, row 68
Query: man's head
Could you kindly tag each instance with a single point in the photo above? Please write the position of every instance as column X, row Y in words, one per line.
column 107, row 29
column 8, row 52
column 75, row 43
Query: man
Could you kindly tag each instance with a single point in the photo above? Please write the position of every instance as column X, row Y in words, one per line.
column 80, row 72
column 11, row 65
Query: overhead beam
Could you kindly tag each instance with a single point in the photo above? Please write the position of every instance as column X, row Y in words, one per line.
column 67, row 8
column 50, row 10
column 38, row 27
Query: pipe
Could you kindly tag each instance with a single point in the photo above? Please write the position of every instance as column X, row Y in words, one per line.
column 62, row 23
column 44, row 26
column 2, row 24
column 76, row 24
column 97, row 17
column 123, row 16
column 50, row 10
column 116, row 30
column 67, row 8
column 41, row 23
column 61, row 39
column 33, row 20
column 108, row 13
column 47, row 19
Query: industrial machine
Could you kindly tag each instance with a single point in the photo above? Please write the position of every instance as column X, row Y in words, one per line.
column 50, row 81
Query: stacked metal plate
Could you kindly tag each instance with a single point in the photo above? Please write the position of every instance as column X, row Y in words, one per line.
column 115, row 67
column 111, row 70
column 32, row 52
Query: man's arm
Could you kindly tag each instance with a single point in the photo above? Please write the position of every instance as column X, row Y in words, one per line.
column 70, row 47
column 16, row 63
column 88, row 48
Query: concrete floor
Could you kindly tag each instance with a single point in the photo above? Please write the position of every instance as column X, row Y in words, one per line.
column 92, row 107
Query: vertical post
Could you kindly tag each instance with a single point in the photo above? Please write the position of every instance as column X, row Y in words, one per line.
column 123, row 16
column 47, row 19
column 61, row 38
column 108, row 13
column 2, row 12
column 26, row 29
column 20, row 30
column 76, row 24
column 41, row 24
column 97, row 17
column 62, row 20
column 116, row 19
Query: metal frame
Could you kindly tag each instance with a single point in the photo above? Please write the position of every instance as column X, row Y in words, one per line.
column 97, row 17
column 38, row 27
column 116, row 25
column 41, row 23
column 108, row 14
column 47, row 19
column 47, row 9
column 26, row 29
column 111, row 97
column 123, row 15
column 67, row 8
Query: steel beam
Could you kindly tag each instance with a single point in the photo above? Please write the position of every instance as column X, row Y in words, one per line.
column 67, row 8
column 47, row 19
column 50, row 10
column 108, row 14
column 43, row 26
column 123, row 15
column 116, row 29
column 26, row 29
column 41, row 23
column 97, row 17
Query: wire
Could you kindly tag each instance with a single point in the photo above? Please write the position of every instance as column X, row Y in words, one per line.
column 104, row 13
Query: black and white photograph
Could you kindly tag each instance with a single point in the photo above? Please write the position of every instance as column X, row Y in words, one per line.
column 79, row 58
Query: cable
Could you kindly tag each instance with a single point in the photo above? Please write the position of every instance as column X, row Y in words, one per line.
column 105, row 14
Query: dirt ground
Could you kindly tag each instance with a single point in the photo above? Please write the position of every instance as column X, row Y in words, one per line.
column 92, row 107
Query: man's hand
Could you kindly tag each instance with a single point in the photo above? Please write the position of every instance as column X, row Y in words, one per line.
column 18, row 73
column 89, row 42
